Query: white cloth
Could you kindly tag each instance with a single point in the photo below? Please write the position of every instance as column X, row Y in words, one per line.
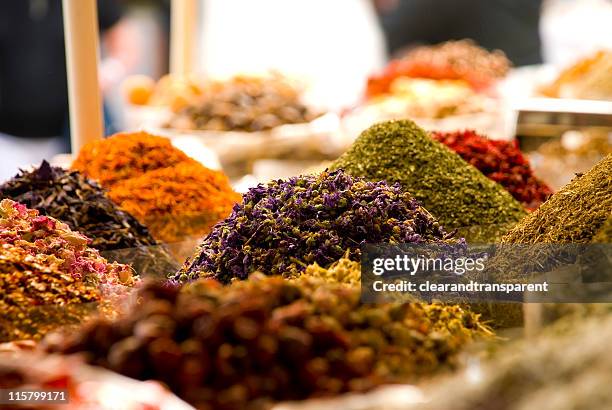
column 332, row 44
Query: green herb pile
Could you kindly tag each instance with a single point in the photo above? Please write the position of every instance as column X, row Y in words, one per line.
column 83, row 205
column 456, row 193
column 572, row 215
column 270, row 339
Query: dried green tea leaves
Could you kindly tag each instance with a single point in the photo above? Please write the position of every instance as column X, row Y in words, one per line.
column 84, row 206
column 455, row 192
column 572, row 215
column 270, row 339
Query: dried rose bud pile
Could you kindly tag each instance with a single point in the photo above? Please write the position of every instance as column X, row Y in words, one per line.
column 281, row 227
column 501, row 161
column 46, row 270
column 269, row 339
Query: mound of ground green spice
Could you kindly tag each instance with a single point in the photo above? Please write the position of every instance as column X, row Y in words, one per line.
column 83, row 205
column 270, row 339
column 455, row 192
column 282, row 227
column 572, row 215
column 577, row 214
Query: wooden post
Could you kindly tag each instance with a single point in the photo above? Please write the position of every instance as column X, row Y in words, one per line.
column 81, row 39
column 183, row 17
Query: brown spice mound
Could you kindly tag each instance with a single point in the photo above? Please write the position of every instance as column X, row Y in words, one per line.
column 572, row 215
column 126, row 155
column 178, row 202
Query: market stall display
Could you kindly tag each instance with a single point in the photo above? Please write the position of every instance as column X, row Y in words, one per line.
column 268, row 311
column 281, row 227
column 177, row 202
column 501, row 161
column 84, row 206
column 455, row 192
column 49, row 274
column 269, row 339
column 452, row 60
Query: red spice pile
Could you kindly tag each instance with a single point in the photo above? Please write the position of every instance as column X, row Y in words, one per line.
column 501, row 161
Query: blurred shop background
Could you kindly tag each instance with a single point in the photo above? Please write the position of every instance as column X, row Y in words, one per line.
column 331, row 47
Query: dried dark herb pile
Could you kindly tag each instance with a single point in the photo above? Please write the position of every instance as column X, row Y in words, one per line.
column 567, row 371
column 177, row 202
column 456, row 193
column 126, row 155
column 269, row 339
column 45, row 265
column 501, row 161
column 281, row 227
column 83, row 205
column 572, row 215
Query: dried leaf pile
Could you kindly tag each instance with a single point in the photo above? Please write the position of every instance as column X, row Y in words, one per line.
column 83, row 205
column 455, row 192
column 269, row 339
column 47, row 273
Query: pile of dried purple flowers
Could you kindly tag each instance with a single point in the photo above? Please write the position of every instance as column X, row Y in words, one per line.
column 282, row 227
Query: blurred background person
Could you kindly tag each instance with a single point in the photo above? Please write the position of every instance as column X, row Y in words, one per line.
column 508, row 25
column 33, row 86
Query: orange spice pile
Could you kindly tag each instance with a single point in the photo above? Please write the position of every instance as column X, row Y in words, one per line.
column 127, row 155
column 175, row 196
column 177, row 202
